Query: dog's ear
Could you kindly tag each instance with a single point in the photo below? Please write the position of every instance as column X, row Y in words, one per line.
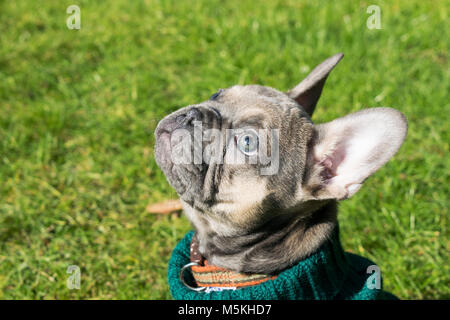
column 348, row 150
column 307, row 92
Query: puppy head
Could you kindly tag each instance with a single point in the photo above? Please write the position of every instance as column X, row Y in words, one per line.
column 251, row 154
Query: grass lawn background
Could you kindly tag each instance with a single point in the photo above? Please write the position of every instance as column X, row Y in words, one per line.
column 78, row 109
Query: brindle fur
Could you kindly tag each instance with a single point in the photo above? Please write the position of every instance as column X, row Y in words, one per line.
column 246, row 221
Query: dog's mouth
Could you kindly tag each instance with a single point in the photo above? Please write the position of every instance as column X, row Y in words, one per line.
column 175, row 149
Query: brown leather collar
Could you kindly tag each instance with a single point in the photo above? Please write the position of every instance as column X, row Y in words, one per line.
column 207, row 275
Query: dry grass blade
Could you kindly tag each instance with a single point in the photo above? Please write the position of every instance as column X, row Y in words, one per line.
column 166, row 207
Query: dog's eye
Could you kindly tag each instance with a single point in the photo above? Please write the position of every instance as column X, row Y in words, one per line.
column 247, row 142
column 216, row 95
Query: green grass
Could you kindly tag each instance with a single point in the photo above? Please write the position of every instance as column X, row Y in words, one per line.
column 78, row 109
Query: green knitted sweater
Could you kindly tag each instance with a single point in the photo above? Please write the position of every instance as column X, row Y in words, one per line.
column 329, row 273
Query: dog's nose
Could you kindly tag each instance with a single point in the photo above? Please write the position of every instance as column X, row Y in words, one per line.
column 184, row 120
column 189, row 117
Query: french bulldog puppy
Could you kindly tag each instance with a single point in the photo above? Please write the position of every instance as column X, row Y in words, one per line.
column 258, row 180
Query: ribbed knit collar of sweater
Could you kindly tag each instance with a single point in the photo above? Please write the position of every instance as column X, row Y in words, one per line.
column 329, row 273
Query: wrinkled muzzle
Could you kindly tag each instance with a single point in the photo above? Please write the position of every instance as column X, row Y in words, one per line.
column 179, row 149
